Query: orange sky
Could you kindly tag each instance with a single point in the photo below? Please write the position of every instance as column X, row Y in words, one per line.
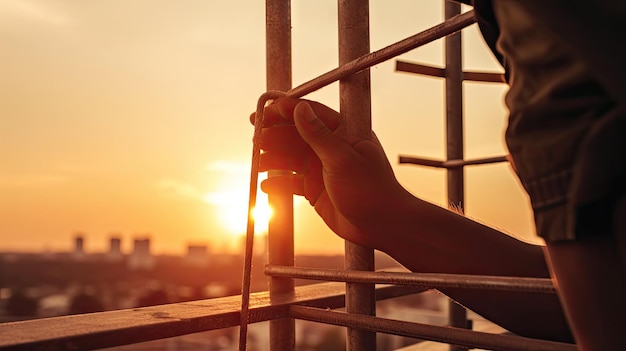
column 130, row 117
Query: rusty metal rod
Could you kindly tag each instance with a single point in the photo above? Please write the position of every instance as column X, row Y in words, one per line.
column 280, row 234
column 487, row 77
column 451, row 163
column 356, row 112
column 431, row 280
column 443, row 334
column 457, row 314
column 427, row 70
column 410, row 67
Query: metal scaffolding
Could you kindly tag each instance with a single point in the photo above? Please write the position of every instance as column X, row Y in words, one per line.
column 355, row 107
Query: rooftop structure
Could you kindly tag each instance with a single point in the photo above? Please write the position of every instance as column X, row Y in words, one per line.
column 141, row 258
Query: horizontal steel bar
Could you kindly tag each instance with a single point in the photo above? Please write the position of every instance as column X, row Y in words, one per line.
column 487, row 77
column 122, row 327
column 410, row 67
column 432, row 280
column 451, row 163
column 455, row 336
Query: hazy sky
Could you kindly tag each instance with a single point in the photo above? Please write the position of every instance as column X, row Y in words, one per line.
column 131, row 117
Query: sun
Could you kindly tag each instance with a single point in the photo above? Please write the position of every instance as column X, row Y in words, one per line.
column 231, row 204
column 262, row 213
column 232, row 208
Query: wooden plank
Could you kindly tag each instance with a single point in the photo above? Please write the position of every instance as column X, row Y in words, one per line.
column 122, row 327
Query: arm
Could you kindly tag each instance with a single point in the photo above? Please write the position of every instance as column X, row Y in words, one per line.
column 351, row 185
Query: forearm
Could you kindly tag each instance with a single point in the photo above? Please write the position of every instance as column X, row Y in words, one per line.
column 428, row 238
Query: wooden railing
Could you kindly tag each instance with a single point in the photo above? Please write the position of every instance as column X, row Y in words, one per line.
column 94, row 331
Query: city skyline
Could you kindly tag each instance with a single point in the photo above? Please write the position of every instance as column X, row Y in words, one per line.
column 132, row 118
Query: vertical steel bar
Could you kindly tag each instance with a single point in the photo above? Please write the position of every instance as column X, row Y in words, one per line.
column 454, row 139
column 355, row 107
column 280, row 231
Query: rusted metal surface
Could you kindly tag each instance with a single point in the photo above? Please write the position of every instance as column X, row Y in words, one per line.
column 409, row 67
column 454, row 140
column 355, row 109
column 454, row 109
column 278, row 44
column 426, row 70
column 281, row 226
column 429, row 280
column 483, row 77
column 451, row 163
column 456, row 336
column 107, row 329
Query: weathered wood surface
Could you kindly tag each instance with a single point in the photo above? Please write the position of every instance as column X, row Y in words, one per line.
column 122, row 327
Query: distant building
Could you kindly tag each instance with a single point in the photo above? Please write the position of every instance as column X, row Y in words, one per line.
column 141, row 258
column 115, row 249
column 79, row 246
column 197, row 255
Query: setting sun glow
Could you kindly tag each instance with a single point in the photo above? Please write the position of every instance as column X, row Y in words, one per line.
column 262, row 214
column 232, row 207
column 138, row 125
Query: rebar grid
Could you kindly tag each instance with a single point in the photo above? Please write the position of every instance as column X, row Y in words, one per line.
column 354, row 66
column 439, row 31
column 465, row 338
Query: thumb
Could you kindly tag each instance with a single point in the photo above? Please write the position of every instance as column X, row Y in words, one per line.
column 314, row 131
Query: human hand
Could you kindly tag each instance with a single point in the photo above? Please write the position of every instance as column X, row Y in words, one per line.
column 347, row 179
column 351, row 184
